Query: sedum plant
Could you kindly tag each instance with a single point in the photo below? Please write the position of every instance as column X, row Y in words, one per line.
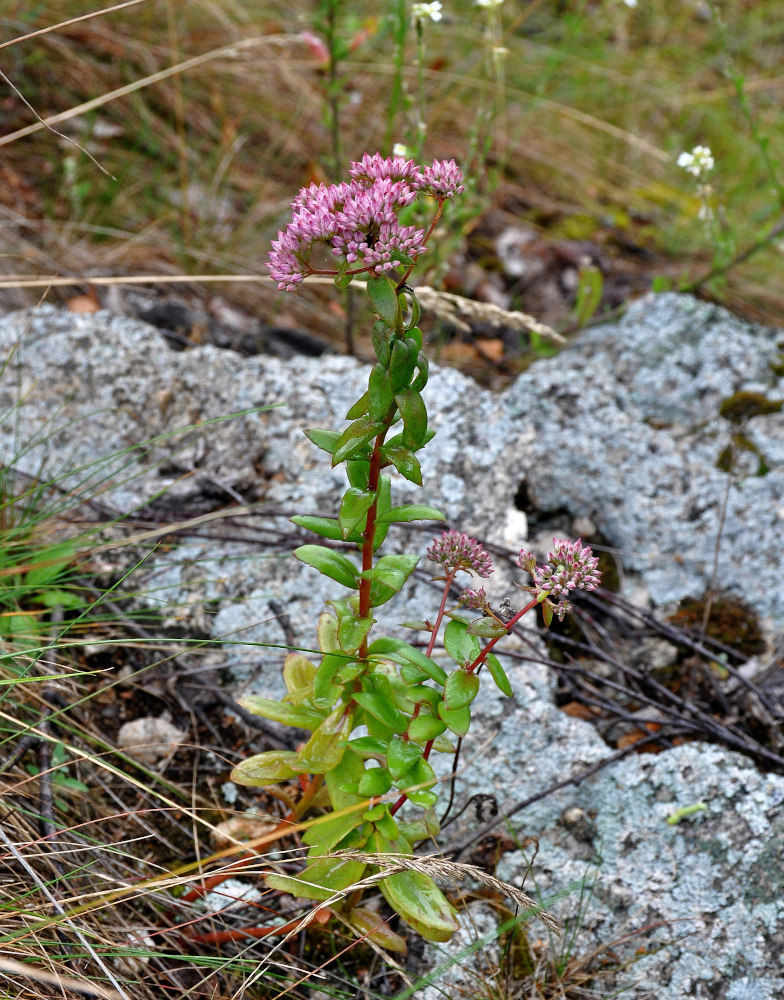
column 378, row 707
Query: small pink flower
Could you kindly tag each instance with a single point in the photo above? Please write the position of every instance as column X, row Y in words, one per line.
column 443, row 179
column 570, row 566
column 316, row 46
column 358, row 221
column 474, row 600
column 454, row 550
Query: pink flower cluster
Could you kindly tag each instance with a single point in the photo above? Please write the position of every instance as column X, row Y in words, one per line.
column 570, row 566
column 357, row 221
column 454, row 550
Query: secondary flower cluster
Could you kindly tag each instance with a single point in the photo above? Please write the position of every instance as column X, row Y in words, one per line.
column 454, row 550
column 357, row 221
column 698, row 162
column 570, row 566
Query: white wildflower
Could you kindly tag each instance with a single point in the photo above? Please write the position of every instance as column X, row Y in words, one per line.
column 401, row 149
column 698, row 162
column 431, row 10
column 630, row 3
column 488, row 3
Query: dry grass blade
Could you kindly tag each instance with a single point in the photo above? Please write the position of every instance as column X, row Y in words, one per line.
column 36, row 880
column 438, row 867
column 70, row 21
column 10, row 968
column 232, row 51
column 457, row 310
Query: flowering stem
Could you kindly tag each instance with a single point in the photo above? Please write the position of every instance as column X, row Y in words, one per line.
column 440, row 616
column 509, row 626
column 428, row 234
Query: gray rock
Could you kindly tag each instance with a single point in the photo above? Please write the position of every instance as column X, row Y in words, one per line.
column 628, row 432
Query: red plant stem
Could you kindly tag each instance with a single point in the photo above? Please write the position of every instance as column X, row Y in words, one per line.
column 428, row 234
column 368, row 535
column 451, row 574
column 509, row 626
column 224, row 937
column 292, row 818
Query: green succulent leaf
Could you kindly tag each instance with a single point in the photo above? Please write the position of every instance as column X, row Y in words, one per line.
column 460, row 689
column 372, row 927
column 405, row 461
column 547, row 612
column 416, row 312
column 327, row 632
column 411, row 512
column 404, row 653
column 458, row 720
column 382, row 709
column 360, row 408
column 325, row 748
column 375, row 781
column 383, row 295
column 388, row 576
column 414, row 413
column 325, row 832
column 416, row 334
column 402, row 363
column 487, row 628
column 420, row 902
column 421, row 693
column 298, row 674
column 351, row 628
column 411, row 674
column 423, row 798
column 323, row 439
column 385, row 823
column 330, row 563
column 320, row 879
column 358, row 472
column 367, row 746
column 382, row 338
column 424, row 728
column 498, row 675
column 422, row 828
column 355, row 437
column 380, row 392
column 343, row 278
column 266, row 768
column 402, row 757
column 348, row 672
column 383, row 504
column 288, row 715
column 325, row 527
column 353, row 510
column 325, row 690
column 462, row 647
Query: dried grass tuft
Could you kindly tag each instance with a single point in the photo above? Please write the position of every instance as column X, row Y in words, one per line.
column 450, row 871
column 458, row 311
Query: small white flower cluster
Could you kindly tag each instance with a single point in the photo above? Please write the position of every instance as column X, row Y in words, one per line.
column 698, row 162
column 422, row 10
column 630, row 3
column 488, row 3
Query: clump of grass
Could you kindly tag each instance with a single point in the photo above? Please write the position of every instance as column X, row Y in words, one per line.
column 200, row 161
